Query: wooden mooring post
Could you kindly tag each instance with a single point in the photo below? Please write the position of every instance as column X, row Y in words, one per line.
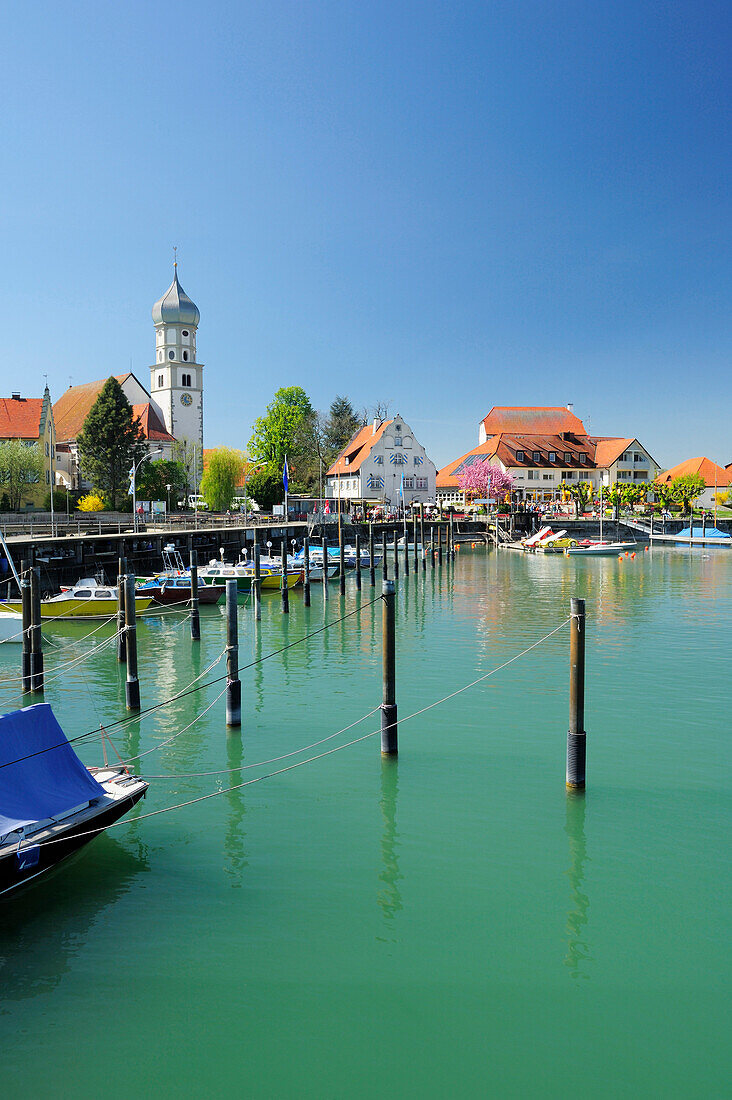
column 233, row 683
column 324, row 544
column 283, row 582
column 372, row 567
column 389, row 738
column 36, row 638
column 195, row 615
column 576, row 737
column 306, row 577
column 451, row 543
column 384, row 559
column 358, row 562
column 132, row 684
column 26, row 607
column 257, row 582
column 432, row 546
column 342, row 565
column 121, row 635
column 396, row 554
column 416, row 549
column 421, row 538
column 439, row 544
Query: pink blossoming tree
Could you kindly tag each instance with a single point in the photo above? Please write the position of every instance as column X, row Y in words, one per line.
column 481, row 479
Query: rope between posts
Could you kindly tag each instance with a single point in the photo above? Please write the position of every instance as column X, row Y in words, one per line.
column 298, row 764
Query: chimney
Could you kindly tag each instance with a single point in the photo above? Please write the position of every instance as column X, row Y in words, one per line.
column 376, row 424
column 570, row 407
column 15, row 397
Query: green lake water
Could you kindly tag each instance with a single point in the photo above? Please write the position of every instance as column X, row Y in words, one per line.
column 451, row 923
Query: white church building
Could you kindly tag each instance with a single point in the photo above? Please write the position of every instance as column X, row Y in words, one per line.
column 172, row 410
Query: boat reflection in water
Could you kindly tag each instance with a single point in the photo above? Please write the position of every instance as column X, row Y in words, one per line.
column 577, row 948
column 46, row 926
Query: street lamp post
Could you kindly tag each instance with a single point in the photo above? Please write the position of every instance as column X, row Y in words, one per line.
column 144, row 458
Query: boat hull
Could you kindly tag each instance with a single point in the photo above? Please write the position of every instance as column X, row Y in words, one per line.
column 63, row 608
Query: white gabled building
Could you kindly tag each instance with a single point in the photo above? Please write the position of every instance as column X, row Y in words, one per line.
column 381, row 459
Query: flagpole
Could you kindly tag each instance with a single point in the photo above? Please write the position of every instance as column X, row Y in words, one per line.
column 287, row 482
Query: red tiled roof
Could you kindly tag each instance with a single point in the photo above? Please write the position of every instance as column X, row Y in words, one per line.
column 608, row 450
column 446, row 478
column 72, row 407
column 359, row 448
column 506, row 446
column 710, row 471
column 532, row 420
column 20, row 417
column 151, row 424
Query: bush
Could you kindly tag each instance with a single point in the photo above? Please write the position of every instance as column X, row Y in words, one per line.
column 92, row 502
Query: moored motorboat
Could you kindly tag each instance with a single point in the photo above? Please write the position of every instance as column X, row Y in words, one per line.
column 88, row 599
column 596, row 549
column 51, row 805
column 11, row 625
column 177, row 590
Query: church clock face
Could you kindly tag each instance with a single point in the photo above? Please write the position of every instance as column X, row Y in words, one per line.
column 186, row 399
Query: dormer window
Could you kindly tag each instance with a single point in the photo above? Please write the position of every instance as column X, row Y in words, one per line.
column 552, row 454
column 537, row 456
column 583, row 459
column 519, row 456
column 567, row 458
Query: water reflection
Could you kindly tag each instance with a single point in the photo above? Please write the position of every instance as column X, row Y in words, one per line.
column 388, row 896
column 234, row 849
column 577, row 948
column 44, row 927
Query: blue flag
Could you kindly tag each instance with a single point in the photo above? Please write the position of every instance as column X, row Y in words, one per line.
column 401, row 487
column 285, row 475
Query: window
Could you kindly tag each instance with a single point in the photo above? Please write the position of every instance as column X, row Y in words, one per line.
column 408, row 482
column 171, row 355
column 548, row 477
column 184, row 332
column 567, row 457
column 185, row 356
column 397, row 441
column 160, row 357
column 537, row 456
column 583, row 459
column 552, row 454
column 568, row 475
column 638, row 458
column 185, row 380
column 519, row 456
column 47, row 452
column 48, row 478
column 532, row 475
column 379, row 460
column 421, row 482
column 417, row 460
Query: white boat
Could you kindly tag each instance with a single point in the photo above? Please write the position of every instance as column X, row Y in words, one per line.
column 11, row 625
column 601, row 548
column 538, row 536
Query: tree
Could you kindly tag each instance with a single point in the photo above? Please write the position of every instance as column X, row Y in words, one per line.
column 110, row 441
column 581, row 493
column 189, row 456
column 21, row 467
column 664, row 493
column 341, row 425
column 224, row 471
column 686, row 489
column 266, row 487
column 481, row 479
column 275, row 433
column 153, row 479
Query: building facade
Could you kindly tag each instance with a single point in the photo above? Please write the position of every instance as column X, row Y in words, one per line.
column 716, row 478
column 383, row 463
column 30, row 420
column 545, row 446
column 176, row 377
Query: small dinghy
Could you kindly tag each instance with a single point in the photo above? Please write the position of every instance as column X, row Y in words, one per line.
column 51, row 805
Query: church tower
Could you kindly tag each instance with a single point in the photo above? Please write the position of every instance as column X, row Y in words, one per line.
column 176, row 379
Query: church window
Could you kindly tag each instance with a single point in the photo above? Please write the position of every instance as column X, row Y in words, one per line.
column 185, row 356
column 184, row 332
column 160, row 357
column 185, row 380
column 171, row 355
column 161, row 381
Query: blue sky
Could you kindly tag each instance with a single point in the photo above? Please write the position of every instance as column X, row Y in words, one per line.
column 442, row 205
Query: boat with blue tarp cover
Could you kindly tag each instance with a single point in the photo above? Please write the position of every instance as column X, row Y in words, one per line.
column 51, row 805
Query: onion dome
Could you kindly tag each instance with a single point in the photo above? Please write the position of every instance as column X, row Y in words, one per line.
column 175, row 307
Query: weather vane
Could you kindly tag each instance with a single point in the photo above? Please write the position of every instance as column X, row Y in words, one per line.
column 175, row 255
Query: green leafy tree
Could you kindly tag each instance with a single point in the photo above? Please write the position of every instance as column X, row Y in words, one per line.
column 110, row 441
column 581, row 493
column 153, row 479
column 21, row 469
column 265, row 486
column 664, row 493
column 276, row 434
column 686, row 489
column 224, row 471
column 189, row 456
column 341, row 425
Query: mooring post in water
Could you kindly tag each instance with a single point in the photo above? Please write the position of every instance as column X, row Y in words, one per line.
column 324, row 544
column 306, row 577
column 451, row 537
column 414, row 532
column 342, row 566
column 439, row 544
column 421, row 538
column 132, row 685
column 432, row 546
column 576, row 737
column 121, row 635
column 372, row 567
column 233, row 683
column 358, row 561
column 195, row 616
column 396, row 554
column 389, row 740
column 384, row 559
column 283, row 582
column 257, row 582
column 26, row 606
column 406, row 548
column 36, row 638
